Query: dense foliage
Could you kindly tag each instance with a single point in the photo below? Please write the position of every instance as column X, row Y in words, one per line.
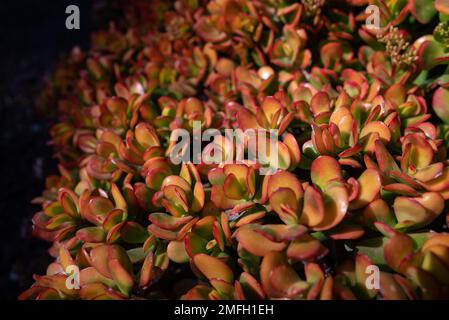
column 363, row 118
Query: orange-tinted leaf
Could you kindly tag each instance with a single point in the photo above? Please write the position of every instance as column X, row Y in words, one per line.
column 213, row 268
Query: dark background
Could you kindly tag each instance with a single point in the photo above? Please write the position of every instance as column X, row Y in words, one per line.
column 32, row 38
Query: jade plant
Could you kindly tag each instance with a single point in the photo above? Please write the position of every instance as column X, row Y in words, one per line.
column 362, row 181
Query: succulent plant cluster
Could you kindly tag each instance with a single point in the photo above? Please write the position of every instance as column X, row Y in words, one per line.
column 363, row 178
